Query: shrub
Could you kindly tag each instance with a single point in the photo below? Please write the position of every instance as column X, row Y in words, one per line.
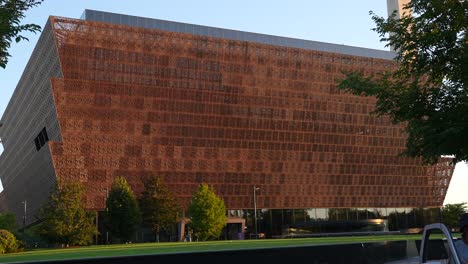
column 207, row 213
column 8, row 242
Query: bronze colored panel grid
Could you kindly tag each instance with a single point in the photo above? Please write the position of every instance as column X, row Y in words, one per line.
column 137, row 102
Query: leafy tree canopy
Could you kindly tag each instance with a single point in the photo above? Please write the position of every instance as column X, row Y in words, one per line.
column 207, row 213
column 8, row 222
column 123, row 213
column 158, row 206
column 427, row 88
column 451, row 214
column 11, row 13
column 65, row 219
column 8, row 242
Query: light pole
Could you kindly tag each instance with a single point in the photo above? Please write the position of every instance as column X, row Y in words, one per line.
column 97, row 226
column 105, row 203
column 24, row 216
column 255, row 189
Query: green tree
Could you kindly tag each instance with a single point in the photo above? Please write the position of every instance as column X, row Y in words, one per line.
column 11, row 13
column 207, row 213
column 8, row 242
column 427, row 88
column 451, row 214
column 65, row 219
column 123, row 214
column 158, row 206
column 8, row 222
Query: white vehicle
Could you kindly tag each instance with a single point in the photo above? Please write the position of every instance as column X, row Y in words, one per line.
column 439, row 250
column 437, row 246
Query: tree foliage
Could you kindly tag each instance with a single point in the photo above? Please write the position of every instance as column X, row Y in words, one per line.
column 65, row 220
column 451, row 214
column 158, row 206
column 8, row 222
column 11, row 13
column 8, row 242
column 427, row 88
column 207, row 213
column 123, row 213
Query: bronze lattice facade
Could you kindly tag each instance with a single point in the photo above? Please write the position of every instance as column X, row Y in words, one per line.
column 201, row 108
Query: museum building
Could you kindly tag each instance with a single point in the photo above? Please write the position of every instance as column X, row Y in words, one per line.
column 258, row 117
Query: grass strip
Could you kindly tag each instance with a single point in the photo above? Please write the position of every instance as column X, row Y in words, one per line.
column 188, row 247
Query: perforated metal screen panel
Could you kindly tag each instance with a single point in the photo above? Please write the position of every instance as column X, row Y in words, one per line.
column 196, row 109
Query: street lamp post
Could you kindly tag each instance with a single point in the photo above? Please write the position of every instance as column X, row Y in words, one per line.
column 24, row 216
column 105, row 202
column 255, row 189
column 97, row 226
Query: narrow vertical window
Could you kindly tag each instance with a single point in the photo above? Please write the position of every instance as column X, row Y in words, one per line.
column 38, row 145
column 1, row 146
column 41, row 139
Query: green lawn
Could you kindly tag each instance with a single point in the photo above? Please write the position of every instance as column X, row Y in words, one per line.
column 180, row 247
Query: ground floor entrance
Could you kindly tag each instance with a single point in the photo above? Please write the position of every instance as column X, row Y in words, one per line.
column 234, row 229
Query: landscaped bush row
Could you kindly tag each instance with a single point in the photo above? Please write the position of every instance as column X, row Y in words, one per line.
column 9, row 243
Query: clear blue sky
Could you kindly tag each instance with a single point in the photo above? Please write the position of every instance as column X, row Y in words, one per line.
column 334, row 21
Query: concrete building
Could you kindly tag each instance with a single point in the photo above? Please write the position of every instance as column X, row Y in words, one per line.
column 399, row 7
column 112, row 94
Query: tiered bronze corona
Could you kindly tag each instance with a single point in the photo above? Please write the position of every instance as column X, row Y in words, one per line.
column 136, row 101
